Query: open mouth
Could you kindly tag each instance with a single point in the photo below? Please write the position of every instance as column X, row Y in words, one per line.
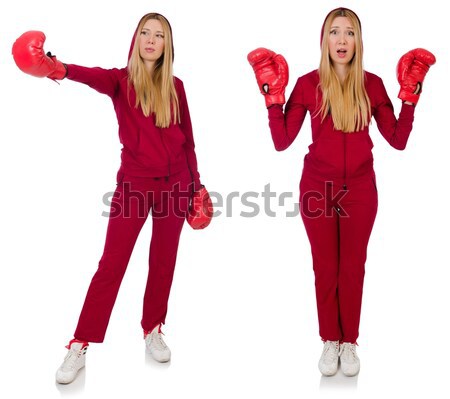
column 341, row 53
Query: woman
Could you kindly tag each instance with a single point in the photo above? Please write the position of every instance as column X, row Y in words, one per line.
column 338, row 192
column 158, row 174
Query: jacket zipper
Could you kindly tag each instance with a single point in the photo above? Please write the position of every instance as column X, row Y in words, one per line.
column 345, row 162
column 167, row 153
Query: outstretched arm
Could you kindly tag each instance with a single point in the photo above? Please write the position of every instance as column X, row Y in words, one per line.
column 105, row 81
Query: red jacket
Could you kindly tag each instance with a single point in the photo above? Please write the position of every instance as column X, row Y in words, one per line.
column 334, row 154
column 148, row 151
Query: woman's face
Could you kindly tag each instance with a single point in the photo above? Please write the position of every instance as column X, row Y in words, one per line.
column 151, row 42
column 341, row 41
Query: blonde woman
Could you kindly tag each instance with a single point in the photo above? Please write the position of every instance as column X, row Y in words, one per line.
column 338, row 192
column 158, row 175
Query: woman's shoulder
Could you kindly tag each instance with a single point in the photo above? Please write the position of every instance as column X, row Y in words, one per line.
column 310, row 77
column 179, row 86
column 308, row 81
column 371, row 78
column 375, row 87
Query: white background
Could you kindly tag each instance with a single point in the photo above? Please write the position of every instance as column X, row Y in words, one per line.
column 242, row 319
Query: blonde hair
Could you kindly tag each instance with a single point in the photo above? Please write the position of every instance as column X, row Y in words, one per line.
column 348, row 102
column 155, row 92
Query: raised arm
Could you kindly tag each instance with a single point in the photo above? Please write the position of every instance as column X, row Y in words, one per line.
column 411, row 70
column 105, row 81
column 285, row 125
column 272, row 75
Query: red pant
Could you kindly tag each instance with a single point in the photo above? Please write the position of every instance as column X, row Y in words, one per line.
column 135, row 197
column 338, row 222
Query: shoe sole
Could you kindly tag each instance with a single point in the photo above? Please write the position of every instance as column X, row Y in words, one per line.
column 350, row 374
column 163, row 360
column 65, row 381
column 329, row 374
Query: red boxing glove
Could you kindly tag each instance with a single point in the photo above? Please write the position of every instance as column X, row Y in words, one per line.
column 29, row 55
column 201, row 210
column 411, row 71
column 272, row 74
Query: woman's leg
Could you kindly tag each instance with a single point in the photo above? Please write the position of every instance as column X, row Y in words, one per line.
column 168, row 216
column 360, row 205
column 129, row 210
column 321, row 224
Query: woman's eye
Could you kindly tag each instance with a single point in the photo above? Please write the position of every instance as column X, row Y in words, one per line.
column 351, row 33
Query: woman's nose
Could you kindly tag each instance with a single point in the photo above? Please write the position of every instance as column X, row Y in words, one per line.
column 342, row 39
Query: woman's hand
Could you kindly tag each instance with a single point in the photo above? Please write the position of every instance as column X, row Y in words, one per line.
column 411, row 70
column 200, row 210
column 272, row 74
column 30, row 57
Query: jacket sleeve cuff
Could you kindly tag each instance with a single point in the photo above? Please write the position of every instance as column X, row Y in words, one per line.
column 197, row 185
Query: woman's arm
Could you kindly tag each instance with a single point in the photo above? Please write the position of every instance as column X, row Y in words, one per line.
column 411, row 70
column 105, row 81
column 395, row 131
column 186, row 127
column 285, row 126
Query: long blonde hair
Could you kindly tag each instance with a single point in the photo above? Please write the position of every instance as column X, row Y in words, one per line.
column 155, row 93
column 348, row 103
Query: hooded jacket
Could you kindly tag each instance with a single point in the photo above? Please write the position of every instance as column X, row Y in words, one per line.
column 334, row 154
column 148, row 151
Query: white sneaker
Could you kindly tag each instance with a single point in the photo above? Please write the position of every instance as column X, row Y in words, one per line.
column 156, row 345
column 328, row 363
column 73, row 362
column 349, row 359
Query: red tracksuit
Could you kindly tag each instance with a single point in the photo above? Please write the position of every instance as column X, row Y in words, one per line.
column 338, row 195
column 158, row 172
